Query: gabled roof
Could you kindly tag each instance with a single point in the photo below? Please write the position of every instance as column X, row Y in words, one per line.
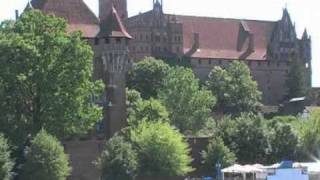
column 218, row 37
column 112, row 26
column 76, row 12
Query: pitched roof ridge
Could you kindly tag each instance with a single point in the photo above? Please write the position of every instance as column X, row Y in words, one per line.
column 92, row 13
column 223, row 18
column 141, row 13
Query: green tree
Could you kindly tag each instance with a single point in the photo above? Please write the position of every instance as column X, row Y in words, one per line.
column 162, row 150
column 133, row 98
column 119, row 160
column 45, row 159
column 296, row 80
column 234, row 88
column 309, row 134
column 188, row 105
column 6, row 163
column 45, row 78
column 283, row 141
column 245, row 136
column 217, row 152
column 148, row 110
column 147, row 76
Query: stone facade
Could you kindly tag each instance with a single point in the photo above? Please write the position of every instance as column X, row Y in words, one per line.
column 267, row 47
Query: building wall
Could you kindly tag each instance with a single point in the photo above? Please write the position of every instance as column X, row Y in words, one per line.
column 83, row 154
column 155, row 35
column 269, row 75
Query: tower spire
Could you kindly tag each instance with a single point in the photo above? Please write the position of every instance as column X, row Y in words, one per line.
column 305, row 34
column 105, row 7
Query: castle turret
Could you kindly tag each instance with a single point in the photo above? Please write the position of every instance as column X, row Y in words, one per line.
column 113, row 52
column 283, row 45
column 119, row 5
column 305, row 55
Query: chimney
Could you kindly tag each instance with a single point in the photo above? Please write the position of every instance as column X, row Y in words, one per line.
column 196, row 41
column 250, row 48
column 251, row 43
column 195, row 44
column 17, row 14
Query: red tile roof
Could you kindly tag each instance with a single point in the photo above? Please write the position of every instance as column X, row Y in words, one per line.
column 112, row 26
column 218, row 37
column 76, row 12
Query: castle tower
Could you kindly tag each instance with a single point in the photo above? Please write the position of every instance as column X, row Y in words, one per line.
column 305, row 56
column 113, row 52
column 283, row 45
column 119, row 5
column 158, row 5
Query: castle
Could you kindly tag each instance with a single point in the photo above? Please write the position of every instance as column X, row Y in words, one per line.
column 117, row 40
column 267, row 47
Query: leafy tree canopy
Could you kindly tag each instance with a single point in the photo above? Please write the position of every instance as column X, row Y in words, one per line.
column 45, row 159
column 147, row 76
column 148, row 110
column 6, row 163
column 283, row 141
column 296, row 80
column 188, row 105
column 234, row 88
column 45, row 78
column 245, row 136
column 215, row 153
column 119, row 160
column 309, row 133
column 162, row 150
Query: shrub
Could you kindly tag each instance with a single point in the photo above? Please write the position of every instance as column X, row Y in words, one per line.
column 217, row 152
column 45, row 159
column 118, row 161
column 162, row 150
column 6, row 163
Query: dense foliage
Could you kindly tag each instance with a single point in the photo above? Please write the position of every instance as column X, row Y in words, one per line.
column 296, row 80
column 6, row 163
column 162, row 150
column 45, row 78
column 188, row 105
column 118, row 161
column 283, row 141
column 246, row 137
column 147, row 76
column 234, row 88
column 309, row 134
column 215, row 153
column 45, row 159
column 148, row 110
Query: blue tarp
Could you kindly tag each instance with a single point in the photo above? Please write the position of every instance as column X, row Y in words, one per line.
column 288, row 174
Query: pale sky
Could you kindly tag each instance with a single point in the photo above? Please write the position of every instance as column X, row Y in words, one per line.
column 305, row 14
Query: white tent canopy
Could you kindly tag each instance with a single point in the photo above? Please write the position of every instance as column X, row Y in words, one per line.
column 313, row 167
column 259, row 171
column 242, row 169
